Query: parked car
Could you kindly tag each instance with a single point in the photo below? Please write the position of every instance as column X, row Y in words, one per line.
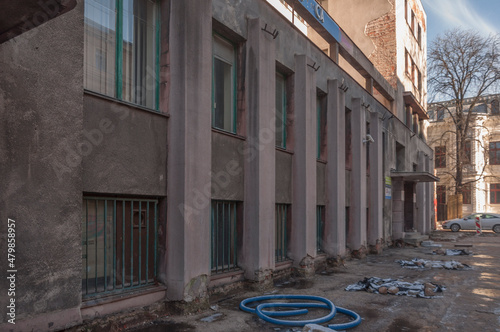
column 489, row 221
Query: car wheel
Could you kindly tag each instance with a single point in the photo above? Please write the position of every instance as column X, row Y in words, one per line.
column 496, row 228
column 455, row 227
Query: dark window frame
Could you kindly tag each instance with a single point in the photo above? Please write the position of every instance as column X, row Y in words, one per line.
column 440, row 156
column 494, row 193
column 494, row 153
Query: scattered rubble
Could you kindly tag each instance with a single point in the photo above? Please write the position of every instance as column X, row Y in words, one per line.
column 397, row 287
column 211, row 318
column 451, row 252
column 418, row 263
column 430, row 243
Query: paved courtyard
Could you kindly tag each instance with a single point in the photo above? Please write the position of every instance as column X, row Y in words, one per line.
column 470, row 302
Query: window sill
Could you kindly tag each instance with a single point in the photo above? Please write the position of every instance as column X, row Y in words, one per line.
column 107, row 304
column 121, row 102
column 278, row 266
column 278, row 148
column 228, row 133
column 217, row 280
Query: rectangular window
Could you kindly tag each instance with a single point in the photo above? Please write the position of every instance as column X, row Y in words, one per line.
column 467, row 193
column 495, row 109
column 495, row 193
column 282, row 232
column 406, row 10
column 224, row 236
column 419, row 36
column 467, row 152
column 419, row 81
column 407, row 64
column 441, row 194
column 494, row 153
column 321, row 133
column 320, row 227
column 440, row 114
column 119, row 244
column 412, row 22
column 122, row 50
column 224, row 85
column 280, row 111
column 440, row 156
column 441, row 203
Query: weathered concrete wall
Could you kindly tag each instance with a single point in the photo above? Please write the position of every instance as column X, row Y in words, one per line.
column 41, row 104
column 118, row 161
column 226, row 155
column 283, row 177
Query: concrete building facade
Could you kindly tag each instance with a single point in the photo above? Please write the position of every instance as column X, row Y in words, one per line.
column 161, row 150
column 480, row 169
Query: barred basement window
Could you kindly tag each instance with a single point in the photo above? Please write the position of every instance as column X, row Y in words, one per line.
column 119, row 244
column 320, row 227
column 282, row 232
column 224, row 237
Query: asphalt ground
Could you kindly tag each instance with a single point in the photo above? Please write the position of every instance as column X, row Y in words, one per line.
column 470, row 302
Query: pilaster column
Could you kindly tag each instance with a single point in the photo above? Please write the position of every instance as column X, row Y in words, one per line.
column 398, row 205
column 375, row 227
column 303, row 239
column 186, row 268
column 357, row 229
column 257, row 257
column 335, row 240
column 422, row 200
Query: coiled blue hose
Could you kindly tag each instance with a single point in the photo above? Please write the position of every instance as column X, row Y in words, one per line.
column 326, row 304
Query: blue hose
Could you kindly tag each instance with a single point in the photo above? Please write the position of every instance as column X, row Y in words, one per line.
column 298, row 309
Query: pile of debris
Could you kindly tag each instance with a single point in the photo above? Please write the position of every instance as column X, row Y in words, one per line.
column 452, row 252
column 418, row 263
column 396, row 287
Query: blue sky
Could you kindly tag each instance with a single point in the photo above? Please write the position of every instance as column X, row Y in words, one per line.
column 480, row 15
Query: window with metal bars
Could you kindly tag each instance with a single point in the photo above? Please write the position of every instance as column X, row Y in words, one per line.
column 224, row 236
column 282, row 232
column 119, row 242
column 320, row 227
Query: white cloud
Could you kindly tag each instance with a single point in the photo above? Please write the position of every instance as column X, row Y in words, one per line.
column 459, row 13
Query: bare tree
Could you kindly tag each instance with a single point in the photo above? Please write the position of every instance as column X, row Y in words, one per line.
column 462, row 64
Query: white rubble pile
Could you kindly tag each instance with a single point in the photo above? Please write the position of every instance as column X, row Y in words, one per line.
column 426, row 290
column 418, row 263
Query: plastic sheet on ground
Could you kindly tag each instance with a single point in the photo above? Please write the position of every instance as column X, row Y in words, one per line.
column 418, row 263
column 396, row 287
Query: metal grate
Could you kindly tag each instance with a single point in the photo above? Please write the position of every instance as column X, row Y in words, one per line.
column 224, row 237
column 119, row 239
column 320, row 227
column 282, row 232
